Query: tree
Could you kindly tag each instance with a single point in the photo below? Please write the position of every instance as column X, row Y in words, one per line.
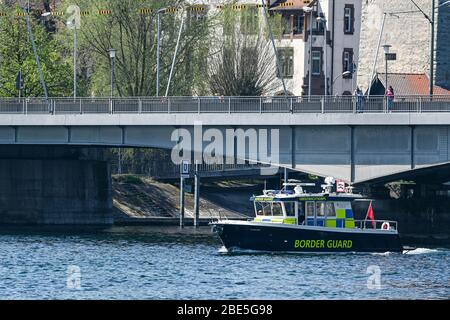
column 16, row 54
column 132, row 32
column 245, row 64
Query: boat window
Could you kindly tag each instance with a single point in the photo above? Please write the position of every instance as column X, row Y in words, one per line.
column 320, row 209
column 290, row 209
column 329, row 209
column 277, row 210
column 263, row 208
column 301, row 209
column 310, row 209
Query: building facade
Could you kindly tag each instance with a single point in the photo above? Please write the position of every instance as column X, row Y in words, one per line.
column 299, row 53
column 408, row 32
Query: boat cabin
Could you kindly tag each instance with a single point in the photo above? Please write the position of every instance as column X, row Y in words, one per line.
column 324, row 209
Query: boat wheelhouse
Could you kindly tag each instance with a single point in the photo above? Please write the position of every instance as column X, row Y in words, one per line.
column 296, row 220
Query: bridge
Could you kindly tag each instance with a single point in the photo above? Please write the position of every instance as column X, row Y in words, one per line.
column 353, row 139
column 319, row 135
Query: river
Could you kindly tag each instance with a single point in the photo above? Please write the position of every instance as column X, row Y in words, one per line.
column 166, row 263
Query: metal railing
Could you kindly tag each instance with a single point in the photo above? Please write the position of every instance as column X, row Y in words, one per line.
column 377, row 225
column 168, row 170
column 174, row 105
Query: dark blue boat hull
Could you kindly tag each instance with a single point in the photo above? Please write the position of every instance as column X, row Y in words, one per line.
column 269, row 237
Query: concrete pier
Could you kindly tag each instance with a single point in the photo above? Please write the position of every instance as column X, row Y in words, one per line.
column 54, row 186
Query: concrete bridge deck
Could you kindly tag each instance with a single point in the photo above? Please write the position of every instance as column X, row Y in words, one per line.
column 318, row 135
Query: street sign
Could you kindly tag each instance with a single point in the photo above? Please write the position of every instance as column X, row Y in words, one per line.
column 185, row 169
column 391, row 56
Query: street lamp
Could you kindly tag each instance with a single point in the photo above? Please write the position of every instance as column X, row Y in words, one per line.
column 344, row 74
column 324, row 21
column 112, row 57
column 431, row 21
column 307, row 9
column 73, row 25
column 386, row 48
column 158, row 47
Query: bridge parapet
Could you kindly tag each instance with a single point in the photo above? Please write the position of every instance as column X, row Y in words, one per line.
column 231, row 105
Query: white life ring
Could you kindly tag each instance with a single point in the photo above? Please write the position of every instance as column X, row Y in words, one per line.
column 385, row 226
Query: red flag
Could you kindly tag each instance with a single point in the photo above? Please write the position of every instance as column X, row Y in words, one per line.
column 370, row 214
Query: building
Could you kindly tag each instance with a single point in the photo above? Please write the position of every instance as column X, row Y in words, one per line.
column 405, row 84
column 338, row 20
column 408, row 31
column 341, row 24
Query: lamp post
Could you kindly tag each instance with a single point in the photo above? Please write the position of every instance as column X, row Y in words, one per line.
column 280, row 71
column 431, row 21
column 344, row 74
column 386, row 48
column 112, row 57
column 324, row 21
column 158, row 47
column 307, row 9
column 73, row 26
column 36, row 55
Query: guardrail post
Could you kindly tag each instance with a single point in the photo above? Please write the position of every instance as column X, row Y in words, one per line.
column 291, row 105
column 229, row 104
column 139, row 105
column 419, row 106
column 81, row 106
column 260, row 105
column 110, row 106
column 198, row 104
column 322, row 104
column 168, row 105
column 26, row 105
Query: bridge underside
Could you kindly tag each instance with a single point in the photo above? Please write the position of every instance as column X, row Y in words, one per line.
column 353, row 153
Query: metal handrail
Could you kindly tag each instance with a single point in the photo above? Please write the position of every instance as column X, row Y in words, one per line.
column 376, row 224
column 214, row 104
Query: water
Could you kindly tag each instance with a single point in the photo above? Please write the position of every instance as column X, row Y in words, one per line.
column 154, row 263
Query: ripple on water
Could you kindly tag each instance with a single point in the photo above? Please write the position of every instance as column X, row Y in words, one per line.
column 147, row 265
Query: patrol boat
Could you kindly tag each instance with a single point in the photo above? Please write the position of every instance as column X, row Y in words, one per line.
column 300, row 221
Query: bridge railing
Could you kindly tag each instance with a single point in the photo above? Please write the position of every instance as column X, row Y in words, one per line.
column 278, row 104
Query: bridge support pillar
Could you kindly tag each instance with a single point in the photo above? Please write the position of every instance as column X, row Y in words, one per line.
column 54, row 186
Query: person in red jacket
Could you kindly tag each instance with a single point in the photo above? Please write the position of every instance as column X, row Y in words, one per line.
column 390, row 98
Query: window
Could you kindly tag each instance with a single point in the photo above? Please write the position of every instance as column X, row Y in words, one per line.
column 329, row 210
column 320, row 209
column 310, row 209
column 347, row 62
column 316, row 62
column 349, row 19
column 293, row 24
column 298, row 23
column 290, row 209
column 318, row 27
column 249, row 20
column 277, row 210
column 286, row 56
column 263, row 209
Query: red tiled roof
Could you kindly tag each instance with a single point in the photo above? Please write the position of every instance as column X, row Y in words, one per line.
column 411, row 84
